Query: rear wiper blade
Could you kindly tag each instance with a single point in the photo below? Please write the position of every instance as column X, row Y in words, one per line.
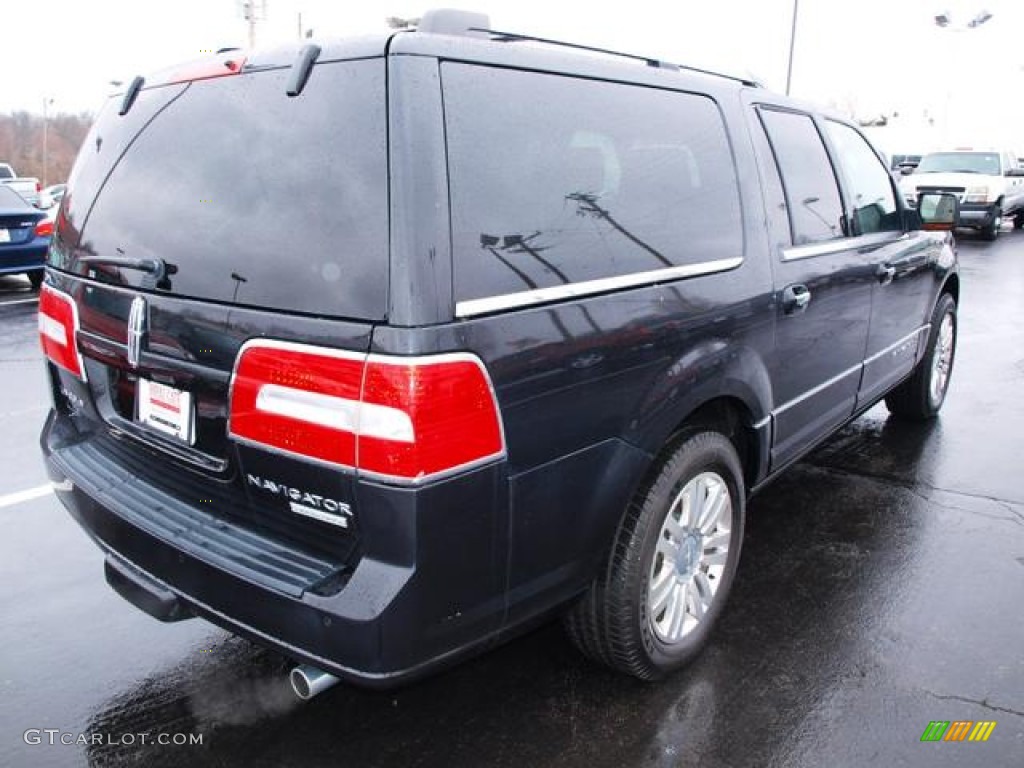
column 156, row 267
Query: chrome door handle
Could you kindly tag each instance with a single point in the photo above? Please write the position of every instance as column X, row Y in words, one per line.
column 795, row 298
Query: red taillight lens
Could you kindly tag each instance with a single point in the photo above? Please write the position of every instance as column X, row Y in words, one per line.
column 58, row 323
column 44, row 228
column 451, row 408
column 405, row 419
column 298, row 399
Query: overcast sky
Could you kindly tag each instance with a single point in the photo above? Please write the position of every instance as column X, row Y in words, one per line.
column 867, row 56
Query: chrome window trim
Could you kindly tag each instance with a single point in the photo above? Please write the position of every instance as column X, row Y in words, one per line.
column 474, row 307
column 871, row 240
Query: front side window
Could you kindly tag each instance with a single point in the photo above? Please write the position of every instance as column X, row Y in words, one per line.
column 873, row 201
column 812, row 195
column 559, row 180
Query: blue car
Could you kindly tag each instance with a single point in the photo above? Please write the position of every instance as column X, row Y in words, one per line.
column 24, row 237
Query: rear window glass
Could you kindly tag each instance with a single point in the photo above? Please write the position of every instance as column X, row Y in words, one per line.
column 558, row 180
column 255, row 198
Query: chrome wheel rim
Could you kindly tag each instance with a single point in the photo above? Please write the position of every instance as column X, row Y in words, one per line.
column 689, row 557
column 942, row 361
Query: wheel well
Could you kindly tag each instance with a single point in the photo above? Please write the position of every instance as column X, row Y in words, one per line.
column 730, row 417
column 952, row 287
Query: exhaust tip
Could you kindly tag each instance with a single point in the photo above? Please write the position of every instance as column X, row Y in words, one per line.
column 308, row 681
column 300, row 684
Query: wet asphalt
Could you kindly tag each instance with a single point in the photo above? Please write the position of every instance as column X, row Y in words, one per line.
column 881, row 587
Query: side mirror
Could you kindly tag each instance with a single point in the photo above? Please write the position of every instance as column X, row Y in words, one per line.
column 939, row 211
column 907, row 168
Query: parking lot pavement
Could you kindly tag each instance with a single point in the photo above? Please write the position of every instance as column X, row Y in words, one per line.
column 880, row 589
column 22, row 409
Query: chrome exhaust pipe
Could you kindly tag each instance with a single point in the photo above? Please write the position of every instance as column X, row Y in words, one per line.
column 307, row 681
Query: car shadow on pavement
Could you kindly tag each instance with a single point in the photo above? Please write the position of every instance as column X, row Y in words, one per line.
column 821, row 555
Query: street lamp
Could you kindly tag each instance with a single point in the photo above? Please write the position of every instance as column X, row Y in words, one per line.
column 792, row 45
column 46, row 125
column 945, row 21
column 978, row 20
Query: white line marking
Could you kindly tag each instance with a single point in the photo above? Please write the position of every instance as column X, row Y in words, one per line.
column 32, row 493
column 19, row 301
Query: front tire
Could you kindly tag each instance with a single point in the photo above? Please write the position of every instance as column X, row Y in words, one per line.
column 35, row 278
column 991, row 232
column 920, row 397
column 672, row 564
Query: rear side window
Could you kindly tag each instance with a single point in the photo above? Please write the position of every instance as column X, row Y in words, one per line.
column 812, row 195
column 255, row 198
column 558, row 180
column 868, row 182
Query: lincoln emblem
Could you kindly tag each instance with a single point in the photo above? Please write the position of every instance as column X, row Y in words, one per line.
column 137, row 328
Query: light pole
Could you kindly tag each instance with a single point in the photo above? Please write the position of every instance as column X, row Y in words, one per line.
column 47, row 101
column 945, row 21
column 792, row 46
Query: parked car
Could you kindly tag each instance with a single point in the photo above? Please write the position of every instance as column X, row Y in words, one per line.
column 26, row 186
column 544, row 324
column 51, row 196
column 905, row 164
column 988, row 184
column 24, row 237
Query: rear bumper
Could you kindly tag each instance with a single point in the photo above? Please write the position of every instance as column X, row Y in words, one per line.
column 24, row 257
column 396, row 617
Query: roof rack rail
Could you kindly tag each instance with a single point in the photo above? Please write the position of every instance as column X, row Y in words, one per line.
column 511, row 37
column 446, row 21
column 514, row 37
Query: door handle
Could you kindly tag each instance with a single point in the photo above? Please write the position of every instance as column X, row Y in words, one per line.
column 885, row 274
column 795, row 299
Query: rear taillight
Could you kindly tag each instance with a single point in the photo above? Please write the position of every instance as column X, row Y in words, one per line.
column 58, row 324
column 404, row 419
column 44, row 228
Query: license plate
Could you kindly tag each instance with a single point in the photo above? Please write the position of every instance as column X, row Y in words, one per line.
column 166, row 409
column 5, row 235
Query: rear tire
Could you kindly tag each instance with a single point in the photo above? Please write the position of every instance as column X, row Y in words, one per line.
column 672, row 564
column 1018, row 221
column 36, row 279
column 920, row 397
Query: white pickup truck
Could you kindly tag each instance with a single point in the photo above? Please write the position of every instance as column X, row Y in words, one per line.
column 25, row 186
column 989, row 184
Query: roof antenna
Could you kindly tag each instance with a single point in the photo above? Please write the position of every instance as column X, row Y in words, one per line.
column 446, row 21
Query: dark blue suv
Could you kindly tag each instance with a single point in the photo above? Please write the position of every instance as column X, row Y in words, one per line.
column 380, row 351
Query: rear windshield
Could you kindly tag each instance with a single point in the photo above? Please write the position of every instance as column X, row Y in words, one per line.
column 255, row 198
